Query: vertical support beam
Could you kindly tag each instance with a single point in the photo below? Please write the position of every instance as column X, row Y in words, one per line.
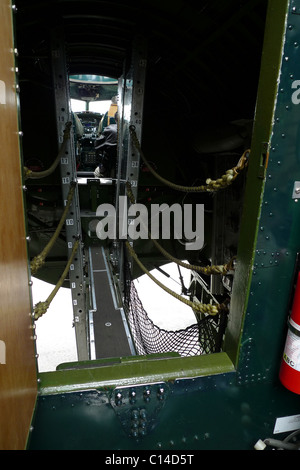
column 139, row 63
column 131, row 96
column 68, row 175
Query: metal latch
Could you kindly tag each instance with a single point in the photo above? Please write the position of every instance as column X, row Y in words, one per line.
column 137, row 407
column 296, row 191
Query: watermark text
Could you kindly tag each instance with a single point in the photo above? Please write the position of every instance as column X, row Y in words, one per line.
column 162, row 221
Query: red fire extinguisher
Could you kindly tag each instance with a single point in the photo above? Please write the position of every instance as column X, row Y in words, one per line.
column 289, row 373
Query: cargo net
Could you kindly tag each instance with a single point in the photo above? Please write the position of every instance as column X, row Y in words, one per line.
column 204, row 337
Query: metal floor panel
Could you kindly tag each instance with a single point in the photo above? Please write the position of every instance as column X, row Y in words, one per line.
column 110, row 332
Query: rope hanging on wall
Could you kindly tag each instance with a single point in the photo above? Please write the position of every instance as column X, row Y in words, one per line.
column 42, row 307
column 210, row 186
column 39, row 260
column 207, row 270
column 29, row 174
column 197, row 307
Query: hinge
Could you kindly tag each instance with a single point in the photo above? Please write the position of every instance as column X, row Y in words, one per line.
column 264, row 159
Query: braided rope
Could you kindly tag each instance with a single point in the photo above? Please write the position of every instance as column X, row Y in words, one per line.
column 39, row 260
column 198, row 307
column 42, row 307
column 211, row 185
column 207, row 270
column 29, row 174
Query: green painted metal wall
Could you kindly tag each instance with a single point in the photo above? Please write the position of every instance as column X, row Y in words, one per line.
column 227, row 400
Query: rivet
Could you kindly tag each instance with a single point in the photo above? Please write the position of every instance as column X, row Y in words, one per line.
column 160, row 393
column 132, row 397
column 118, row 398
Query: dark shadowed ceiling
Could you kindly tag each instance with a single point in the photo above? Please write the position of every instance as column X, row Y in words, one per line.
column 203, row 56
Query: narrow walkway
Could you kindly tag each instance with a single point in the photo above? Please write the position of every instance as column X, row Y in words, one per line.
column 111, row 333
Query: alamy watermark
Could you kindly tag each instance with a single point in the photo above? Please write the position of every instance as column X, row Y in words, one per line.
column 162, row 221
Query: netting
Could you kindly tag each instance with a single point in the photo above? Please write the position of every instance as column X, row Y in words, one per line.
column 203, row 337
